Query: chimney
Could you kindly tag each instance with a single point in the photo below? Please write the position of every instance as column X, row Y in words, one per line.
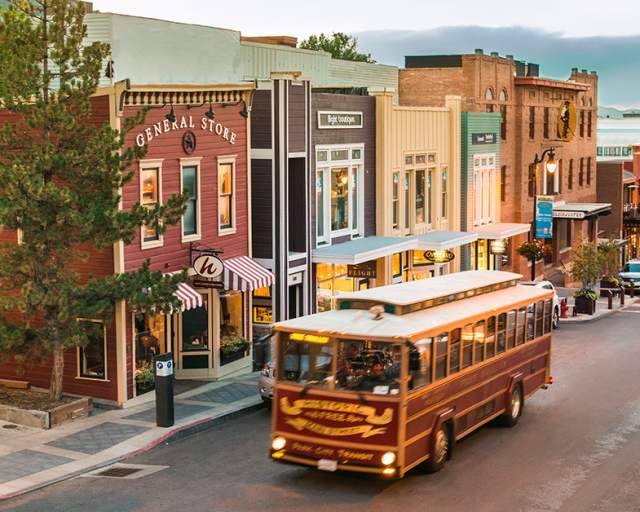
column 520, row 68
column 533, row 69
column 478, row 51
column 495, row 54
column 574, row 71
column 595, row 73
column 584, row 72
column 510, row 57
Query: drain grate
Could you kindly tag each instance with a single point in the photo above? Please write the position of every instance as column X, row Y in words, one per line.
column 118, row 472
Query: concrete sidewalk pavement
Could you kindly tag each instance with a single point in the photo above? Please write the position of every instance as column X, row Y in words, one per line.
column 32, row 458
column 602, row 306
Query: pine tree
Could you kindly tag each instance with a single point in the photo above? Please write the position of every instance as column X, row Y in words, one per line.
column 60, row 177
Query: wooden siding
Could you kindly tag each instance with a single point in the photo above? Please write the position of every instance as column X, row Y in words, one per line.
column 297, row 118
column 261, row 119
column 173, row 255
column 261, row 208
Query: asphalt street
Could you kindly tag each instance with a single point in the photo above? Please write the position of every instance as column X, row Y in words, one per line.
column 576, row 448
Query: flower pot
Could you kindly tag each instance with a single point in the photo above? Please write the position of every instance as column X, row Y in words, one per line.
column 606, row 285
column 585, row 305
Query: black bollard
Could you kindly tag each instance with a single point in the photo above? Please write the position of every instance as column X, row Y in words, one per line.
column 610, row 299
column 622, row 296
column 164, row 390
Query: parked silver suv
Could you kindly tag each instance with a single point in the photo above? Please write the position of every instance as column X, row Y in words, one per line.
column 631, row 274
column 556, row 301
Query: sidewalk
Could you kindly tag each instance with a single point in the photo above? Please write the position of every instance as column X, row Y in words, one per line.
column 602, row 306
column 32, row 458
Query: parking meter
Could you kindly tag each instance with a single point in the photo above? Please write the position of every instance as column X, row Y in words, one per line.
column 164, row 390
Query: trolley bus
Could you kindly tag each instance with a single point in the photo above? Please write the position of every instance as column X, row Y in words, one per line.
column 393, row 377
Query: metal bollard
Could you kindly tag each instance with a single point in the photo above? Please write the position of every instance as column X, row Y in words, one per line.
column 633, row 290
column 622, row 296
column 164, row 390
column 610, row 305
column 574, row 312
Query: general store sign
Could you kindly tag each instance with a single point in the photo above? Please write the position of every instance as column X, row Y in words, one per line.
column 328, row 119
column 185, row 123
column 483, row 138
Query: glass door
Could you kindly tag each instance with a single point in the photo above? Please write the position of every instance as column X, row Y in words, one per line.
column 195, row 341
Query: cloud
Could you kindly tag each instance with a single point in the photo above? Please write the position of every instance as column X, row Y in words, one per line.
column 612, row 57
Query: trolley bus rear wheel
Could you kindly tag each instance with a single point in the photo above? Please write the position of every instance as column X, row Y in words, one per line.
column 440, row 453
column 510, row 419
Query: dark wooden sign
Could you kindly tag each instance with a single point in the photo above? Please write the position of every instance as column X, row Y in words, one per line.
column 367, row 269
column 483, row 138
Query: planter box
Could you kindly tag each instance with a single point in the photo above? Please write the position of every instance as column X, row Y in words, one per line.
column 47, row 419
column 585, row 305
column 605, row 286
column 233, row 356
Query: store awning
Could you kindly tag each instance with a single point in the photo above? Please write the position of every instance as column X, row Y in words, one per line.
column 189, row 297
column 443, row 240
column 360, row 250
column 501, row 230
column 628, row 177
column 243, row 273
column 579, row 211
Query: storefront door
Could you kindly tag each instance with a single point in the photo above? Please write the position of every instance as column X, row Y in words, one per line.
column 194, row 341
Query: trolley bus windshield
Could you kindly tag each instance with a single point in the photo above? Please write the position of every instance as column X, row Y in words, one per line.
column 360, row 365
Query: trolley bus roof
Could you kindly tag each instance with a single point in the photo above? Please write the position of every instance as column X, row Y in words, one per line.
column 359, row 322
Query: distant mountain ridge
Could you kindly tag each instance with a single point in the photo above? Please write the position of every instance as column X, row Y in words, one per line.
column 615, row 113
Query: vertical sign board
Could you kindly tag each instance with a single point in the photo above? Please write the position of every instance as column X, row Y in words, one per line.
column 544, row 217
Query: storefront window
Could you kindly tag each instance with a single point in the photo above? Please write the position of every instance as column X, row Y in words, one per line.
column 397, row 264
column 190, row 189
column 195, row 327
column 150, row 199
column 563, row 229
column 225, row 194
column 93, row 357
column 339, row 199
column 150, row 335
column 332, row 279
column 231, row 314
column 262, row 310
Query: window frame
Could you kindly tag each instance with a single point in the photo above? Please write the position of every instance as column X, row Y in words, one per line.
column 150, row 165
column 192, row 162
column 79, row 350
column 222, row 160
column 484, row 175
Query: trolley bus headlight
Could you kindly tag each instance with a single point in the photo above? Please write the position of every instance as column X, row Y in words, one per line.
column 388, row 458
column 279, row 443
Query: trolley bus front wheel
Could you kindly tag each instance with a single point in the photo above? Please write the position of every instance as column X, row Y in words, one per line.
column 516, row 403
column 441, row 450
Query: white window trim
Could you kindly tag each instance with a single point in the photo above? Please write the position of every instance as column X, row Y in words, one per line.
column 325, row 167
column 427, row 166
column 227, row 159
column 106, row 359
column 444, row 212
column 148, row 165
column 192, row 162
column 484, row 207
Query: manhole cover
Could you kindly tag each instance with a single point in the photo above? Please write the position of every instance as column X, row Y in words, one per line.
column 10, row 426
column 118, row 472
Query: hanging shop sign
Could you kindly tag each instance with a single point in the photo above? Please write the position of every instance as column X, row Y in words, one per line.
column 439, row 256
column 208, row 266
column 328, row 119
column 498, row 247
column 186, row 123
column 566, row 120
column 364, row 270
column 483, row 138
column 544, row 217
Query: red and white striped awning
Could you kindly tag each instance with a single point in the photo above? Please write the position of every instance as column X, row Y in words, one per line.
column 243, row 273
column 189, row 297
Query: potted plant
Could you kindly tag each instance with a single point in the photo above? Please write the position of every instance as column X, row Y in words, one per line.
column 533, row 250
column 609, row 252
column 586, row 268
column 145, row 377
column 233, row 348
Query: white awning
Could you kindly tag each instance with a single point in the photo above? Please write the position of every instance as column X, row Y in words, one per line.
column 579, row 211
column 501, row 230
column 243, row 273
column 189, row 297
column 360, row 250
column 443, row 240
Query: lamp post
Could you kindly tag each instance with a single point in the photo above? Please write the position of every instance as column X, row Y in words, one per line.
column 551, row 167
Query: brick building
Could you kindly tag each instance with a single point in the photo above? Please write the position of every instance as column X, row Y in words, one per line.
column 530, row 106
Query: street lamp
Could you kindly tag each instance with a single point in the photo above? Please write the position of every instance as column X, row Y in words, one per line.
column 551, row 166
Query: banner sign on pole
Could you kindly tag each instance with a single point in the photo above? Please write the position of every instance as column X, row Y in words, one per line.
column 544, row 217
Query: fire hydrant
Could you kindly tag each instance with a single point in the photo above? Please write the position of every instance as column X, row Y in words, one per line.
column 564, row 308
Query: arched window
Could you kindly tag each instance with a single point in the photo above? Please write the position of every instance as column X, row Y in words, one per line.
column 503, row 95
column 488, row 94
column 591, row 102
column 582, row 101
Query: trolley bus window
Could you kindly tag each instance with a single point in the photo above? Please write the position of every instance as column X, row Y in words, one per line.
column 369, row 366
column 522, row 317
column 502, row 332
column 420, row 363
column 491, row 337
column 441, row 356
column 530, row 322
column 306, row 362
column 467, row 345
column 454, row 354
column 478, row 342
column 511, row 328
column 548, row 308
column 539, row 318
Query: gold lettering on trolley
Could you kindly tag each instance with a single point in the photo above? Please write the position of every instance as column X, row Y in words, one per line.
column 368, row 412
column 364, row 430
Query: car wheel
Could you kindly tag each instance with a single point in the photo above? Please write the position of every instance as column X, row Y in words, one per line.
column 441, row 449
column 510, row 419
column 267, row 403
column 556, row 318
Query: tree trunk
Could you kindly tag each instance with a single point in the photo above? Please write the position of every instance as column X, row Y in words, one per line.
column 55, row 388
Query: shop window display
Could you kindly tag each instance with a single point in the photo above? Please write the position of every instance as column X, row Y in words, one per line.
column 93, row 356
column 150, row 340
column 149, row 200
column 233, row 344
column 195, row 327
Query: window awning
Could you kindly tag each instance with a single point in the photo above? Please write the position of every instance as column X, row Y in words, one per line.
column 189, row 297
column 501, row 230
column 628, row 177
column 579, row 211
column 360, row 250
column 443, row 240
column 243, row 273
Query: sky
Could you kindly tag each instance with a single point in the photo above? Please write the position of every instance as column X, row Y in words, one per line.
column 557, row 34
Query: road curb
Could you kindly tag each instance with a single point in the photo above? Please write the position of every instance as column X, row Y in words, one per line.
column 176, row 434
column 606, row 313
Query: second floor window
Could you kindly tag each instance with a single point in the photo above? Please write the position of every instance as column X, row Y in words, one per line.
column 545, row 125
column 532, row 122
column 581, row 173
column 503, row 122
column 589, row 171
column 150, row 198
column 484, row 175
column 503, row 183
column 396, row 201
column 190, row 219
column 444, row 188
column 570, row 176
column 582, row 123
column 226, row 195
column 589, row 123
column 532, row 180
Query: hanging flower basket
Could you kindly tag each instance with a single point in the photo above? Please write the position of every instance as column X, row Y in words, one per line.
column 533, row 250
